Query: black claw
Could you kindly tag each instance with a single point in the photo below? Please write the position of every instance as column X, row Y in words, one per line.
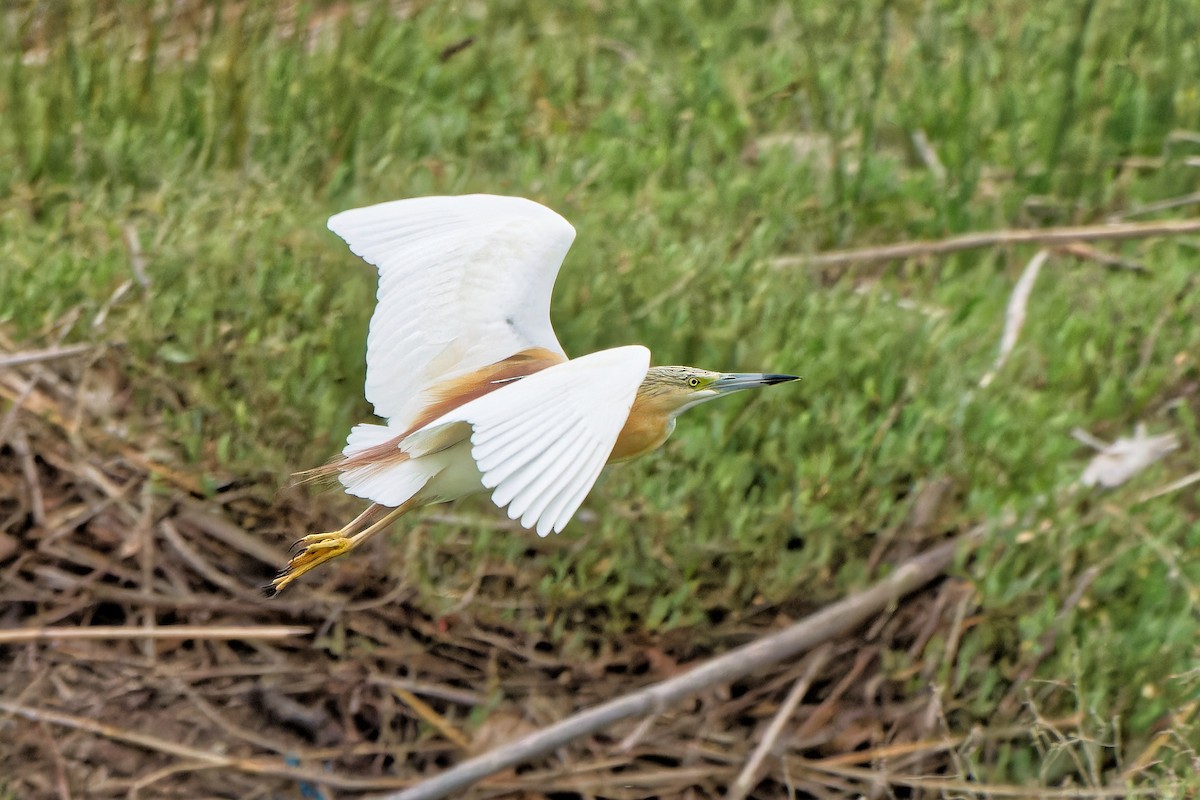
column 269, row 591
column 296, row 548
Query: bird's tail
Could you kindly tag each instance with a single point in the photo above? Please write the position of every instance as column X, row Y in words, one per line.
column 372, row 466
column 325, row 474
column 366, row 445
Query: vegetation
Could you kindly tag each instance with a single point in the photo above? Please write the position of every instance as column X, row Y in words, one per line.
column 691, row 143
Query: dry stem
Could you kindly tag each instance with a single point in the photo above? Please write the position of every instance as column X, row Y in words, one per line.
column 243, row 632
column 972, row 241
column 749, row 774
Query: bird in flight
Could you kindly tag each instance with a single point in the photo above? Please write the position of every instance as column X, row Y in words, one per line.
column 478, row 395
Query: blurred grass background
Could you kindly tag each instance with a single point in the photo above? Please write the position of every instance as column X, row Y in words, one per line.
column 690, row 143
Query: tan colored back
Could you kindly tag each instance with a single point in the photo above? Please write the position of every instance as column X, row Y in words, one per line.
column 448, row 396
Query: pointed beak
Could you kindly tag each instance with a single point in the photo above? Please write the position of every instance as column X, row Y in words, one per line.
column 736, row 381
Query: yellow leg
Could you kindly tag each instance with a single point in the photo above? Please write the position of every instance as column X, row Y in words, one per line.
column 315, row 549
column 368, row 516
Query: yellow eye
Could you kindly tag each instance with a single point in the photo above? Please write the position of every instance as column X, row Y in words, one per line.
column 693, row 381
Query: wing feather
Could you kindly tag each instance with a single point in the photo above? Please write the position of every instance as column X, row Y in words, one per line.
column 557, row 495
column 523, row 456
column 493, row 440
column 464, row 282
column 582, row 486
column 559, row 426
column 541, row 475
column 522, row 489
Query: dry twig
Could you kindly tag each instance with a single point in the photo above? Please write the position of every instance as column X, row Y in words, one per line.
column 113, row 633
column 748, row 777
column 1085, row 252
column 1173, row 486
column 1014, row 316
column 882, row 778
column 10, row 360
column 1161, row 205
column 943, row 742
column 1045, row 237
column 426, row 712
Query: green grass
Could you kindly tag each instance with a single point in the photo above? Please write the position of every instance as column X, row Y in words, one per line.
column 690, row 143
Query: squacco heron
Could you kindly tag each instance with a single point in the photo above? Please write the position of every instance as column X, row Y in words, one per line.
column 478, row 394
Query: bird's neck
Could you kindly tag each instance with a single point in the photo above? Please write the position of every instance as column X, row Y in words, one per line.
column 649, row 424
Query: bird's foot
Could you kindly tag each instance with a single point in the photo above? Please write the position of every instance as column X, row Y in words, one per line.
column 311, row 552
column 315, row 549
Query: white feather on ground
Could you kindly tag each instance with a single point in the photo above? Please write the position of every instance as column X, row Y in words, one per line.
column 1116, row 463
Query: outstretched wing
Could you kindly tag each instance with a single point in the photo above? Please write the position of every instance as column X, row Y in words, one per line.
column 540, row 442
column 464, row 282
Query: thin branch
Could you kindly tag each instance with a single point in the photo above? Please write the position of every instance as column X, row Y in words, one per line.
column 942, row 743
column 427, row 713
column 972, row 241
column 749, row 776
column 213, row 524
column 29, row 470
column 631, row 741
column 1161, row 205
column 1014, row 316
column 882, row 778
column 1173, row 486
column 198, row 564
column 117, row 632
column 110, row 303
column 1085, row 252
column 831, row 621
column 60, row 767
column 137, row 261
column 38, row 356
column 464, row 697
column 929, row 155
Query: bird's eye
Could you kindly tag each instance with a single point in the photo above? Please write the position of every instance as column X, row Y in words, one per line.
column 693, row 381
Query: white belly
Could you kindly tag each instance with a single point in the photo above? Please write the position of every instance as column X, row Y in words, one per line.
column 457, row 474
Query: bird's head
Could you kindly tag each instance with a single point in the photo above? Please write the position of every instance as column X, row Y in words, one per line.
column 676, row 389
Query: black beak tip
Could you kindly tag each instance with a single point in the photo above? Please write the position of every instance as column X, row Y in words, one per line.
column 771, row 380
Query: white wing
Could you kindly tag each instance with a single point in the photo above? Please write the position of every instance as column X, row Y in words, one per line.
column 464, row 282
column 541, row 442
